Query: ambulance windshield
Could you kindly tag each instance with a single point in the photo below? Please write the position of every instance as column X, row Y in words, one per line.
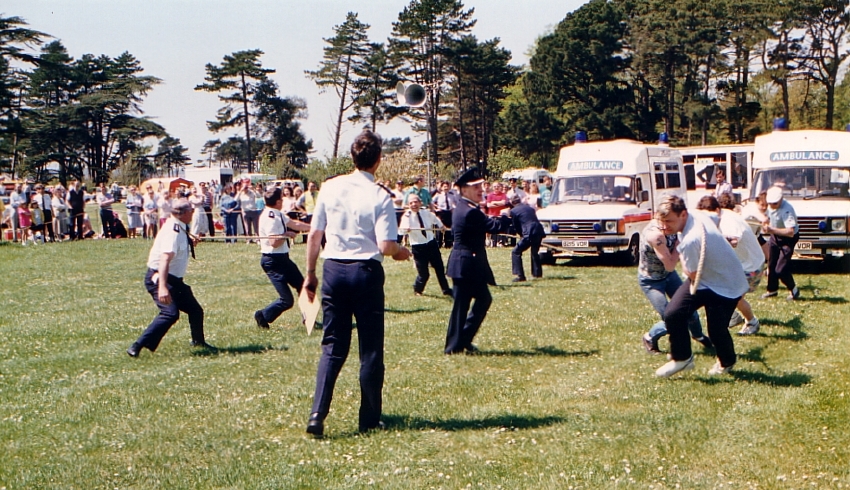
column 804, row 182
column 594, row 188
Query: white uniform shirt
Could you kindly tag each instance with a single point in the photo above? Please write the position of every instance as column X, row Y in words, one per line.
column 172, row 238
column 749, row 252
column 44, row 201
column 523, row 196
column 722, row 271
column 273, row 222
column 355, row 213
column 417, row 235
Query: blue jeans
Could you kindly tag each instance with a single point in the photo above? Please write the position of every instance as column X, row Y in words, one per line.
column 657, row 292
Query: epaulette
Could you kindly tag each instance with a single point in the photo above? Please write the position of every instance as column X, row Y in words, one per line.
column 271, row 214
column 382, row 186
column 176, row 228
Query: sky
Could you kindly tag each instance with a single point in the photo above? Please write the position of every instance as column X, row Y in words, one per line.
column 175, row 39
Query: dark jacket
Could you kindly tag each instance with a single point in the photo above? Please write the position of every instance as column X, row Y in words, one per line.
column 470, row 226
column 525, row 221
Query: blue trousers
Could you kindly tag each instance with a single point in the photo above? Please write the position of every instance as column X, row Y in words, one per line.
column 283, row 273
column 525, row 243
column 423, row 256
column 230, row 225
column 464, row 323
column 657, row 291
column 352, row 289
column 183, row 300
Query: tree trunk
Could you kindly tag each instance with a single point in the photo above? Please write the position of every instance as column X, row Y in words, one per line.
column 247, row 125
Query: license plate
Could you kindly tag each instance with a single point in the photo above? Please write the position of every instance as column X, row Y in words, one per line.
column 803, row 246
column 574, row 243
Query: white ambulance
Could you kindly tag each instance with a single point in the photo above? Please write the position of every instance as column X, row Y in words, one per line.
column 604, row 195
column 813, row 168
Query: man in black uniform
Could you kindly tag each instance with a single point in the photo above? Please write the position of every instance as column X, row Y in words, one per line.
column 468, row 266
column 357, row 217
column 528, row 226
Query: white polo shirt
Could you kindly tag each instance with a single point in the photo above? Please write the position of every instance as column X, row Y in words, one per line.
column 355, row 213
column 172, row 238
column 273, row 222
column 722, row 271
column 749, row 252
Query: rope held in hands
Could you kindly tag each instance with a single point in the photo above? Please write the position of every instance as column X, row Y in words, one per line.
column 701, row 264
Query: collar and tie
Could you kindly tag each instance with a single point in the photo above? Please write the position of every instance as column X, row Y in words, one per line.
column 421, row 226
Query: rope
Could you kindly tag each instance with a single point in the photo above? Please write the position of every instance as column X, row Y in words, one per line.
column 701, row 264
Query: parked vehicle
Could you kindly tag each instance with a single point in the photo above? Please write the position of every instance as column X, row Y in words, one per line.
column 701, row 164
column 604, row 195
column 813, row 168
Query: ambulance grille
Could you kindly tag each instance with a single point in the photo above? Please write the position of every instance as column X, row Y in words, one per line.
column 575, row 227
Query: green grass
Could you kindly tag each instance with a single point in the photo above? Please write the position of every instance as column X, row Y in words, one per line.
column 564, row 396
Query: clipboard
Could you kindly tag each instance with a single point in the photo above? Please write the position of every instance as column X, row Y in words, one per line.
column 309, row 309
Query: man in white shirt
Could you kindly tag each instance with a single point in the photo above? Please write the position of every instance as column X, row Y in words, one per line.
column 357, row 217
column 420, row 225
column 277, row 229
column 167, row 263
column 44, row 200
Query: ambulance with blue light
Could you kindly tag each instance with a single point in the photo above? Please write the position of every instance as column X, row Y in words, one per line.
column 813, row 169
column 604, row 195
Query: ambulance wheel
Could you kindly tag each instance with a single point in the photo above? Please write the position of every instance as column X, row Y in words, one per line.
column 632, row 255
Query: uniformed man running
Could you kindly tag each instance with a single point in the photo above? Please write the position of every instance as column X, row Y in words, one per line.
column 357, row 217
column 282, row 272
column 167, row 263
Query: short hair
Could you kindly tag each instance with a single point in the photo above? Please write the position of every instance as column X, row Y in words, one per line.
column 720, row 170
column 272, row 196
column 414, row 196
column 708, row 203
column 366, row 150
column 726, row 201
column 180, row 206
column 515, row 199
column 670, row 203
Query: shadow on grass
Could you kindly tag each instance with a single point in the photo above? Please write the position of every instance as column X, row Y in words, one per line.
column 537, row 351
column 242, row 349
column 788, row 380
column 795, row 324
column 834, row 300
column 401, row 422
column 406, row 311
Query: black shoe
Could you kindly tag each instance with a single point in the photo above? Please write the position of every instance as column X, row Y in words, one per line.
column 261, row 320
column 705, row 341
column 650, row 345
column 471, row 350
column 316, row 425
column 202, row 345
column 518, row 279
column 134, row 350
column 363, row 429
column 447, row 292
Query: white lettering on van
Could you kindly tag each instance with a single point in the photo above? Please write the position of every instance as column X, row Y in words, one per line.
column 596, row 165
column 789, row 156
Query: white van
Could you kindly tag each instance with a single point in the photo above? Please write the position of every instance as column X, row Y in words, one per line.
column 702, row 162
column 813, row 167
column 604, row 195
column 530, row 174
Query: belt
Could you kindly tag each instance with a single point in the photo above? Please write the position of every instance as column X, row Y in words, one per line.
column 352, row 261
column 283, row 254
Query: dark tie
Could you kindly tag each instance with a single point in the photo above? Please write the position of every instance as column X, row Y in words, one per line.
column 189, row 239
column 421, row 226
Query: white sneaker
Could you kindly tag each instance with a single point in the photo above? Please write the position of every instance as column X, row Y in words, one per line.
column 717, row 369
column 751, row 328
column 674, row 367
column 736, row 319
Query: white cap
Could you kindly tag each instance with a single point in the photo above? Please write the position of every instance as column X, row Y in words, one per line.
column 774, row 195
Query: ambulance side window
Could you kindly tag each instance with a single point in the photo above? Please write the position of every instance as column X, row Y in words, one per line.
column 667, row 175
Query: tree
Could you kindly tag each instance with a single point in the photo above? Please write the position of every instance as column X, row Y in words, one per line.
column 419, row 40
column 343, row 56
column 375, row 88
column 277, row 120
column 170, row 156
column 240, row 72
column 827, row 23
column 782, row 51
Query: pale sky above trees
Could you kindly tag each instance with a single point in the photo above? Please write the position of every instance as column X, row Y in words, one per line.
column 175, row 39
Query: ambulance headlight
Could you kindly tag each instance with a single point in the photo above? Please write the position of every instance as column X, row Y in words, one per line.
column 609, row 226
column 547, row 226
column 839, row 225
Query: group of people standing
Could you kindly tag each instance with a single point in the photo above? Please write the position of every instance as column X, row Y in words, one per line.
column 46, row 214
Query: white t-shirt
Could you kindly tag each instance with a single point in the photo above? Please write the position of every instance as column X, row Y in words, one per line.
column 749, row 252
column 172, row 238
column 273, row 222
column 722, row 271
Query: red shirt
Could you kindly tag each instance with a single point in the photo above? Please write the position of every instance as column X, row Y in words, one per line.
column 496, row 196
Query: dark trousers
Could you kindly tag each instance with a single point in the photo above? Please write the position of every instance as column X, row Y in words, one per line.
column 526, row 242
column 283, row 273
column 352, row 288
column 445, row 238
column 183, row 300
column 230, row 226
column 464, row 323
column 76, row 225
column 718, row 311
column 48, row 224
column 779, row 263
column 208, row 212
column 106, row 218
column 251, row 223
column 423, row 256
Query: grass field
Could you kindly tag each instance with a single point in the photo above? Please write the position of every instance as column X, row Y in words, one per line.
column 564, row 396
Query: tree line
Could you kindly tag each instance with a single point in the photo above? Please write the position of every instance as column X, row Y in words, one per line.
column 703, row 72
